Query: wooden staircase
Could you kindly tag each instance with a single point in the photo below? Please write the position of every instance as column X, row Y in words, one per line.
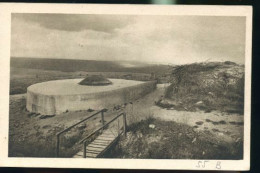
column 106, row 136
column 100, row 145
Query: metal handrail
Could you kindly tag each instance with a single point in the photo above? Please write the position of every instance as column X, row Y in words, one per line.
column 101, row 128
column 67, row 129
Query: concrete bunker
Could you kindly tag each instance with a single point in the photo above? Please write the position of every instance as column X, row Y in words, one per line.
column 58, row 96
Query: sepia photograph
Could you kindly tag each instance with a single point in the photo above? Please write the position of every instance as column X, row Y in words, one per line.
column 147, row 86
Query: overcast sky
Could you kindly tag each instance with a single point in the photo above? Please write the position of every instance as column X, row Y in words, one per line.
column 159, row 39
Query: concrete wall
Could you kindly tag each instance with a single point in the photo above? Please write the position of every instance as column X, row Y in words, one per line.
column 55, row 104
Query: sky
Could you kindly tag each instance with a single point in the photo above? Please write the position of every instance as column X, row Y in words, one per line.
column 146, row 38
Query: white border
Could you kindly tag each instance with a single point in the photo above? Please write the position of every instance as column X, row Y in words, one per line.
column 5, row 27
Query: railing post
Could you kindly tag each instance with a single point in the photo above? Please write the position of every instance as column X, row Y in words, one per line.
column 84, row 149
column 57, row 145
column 102, row 119
column 124, row 119
column 118, row 128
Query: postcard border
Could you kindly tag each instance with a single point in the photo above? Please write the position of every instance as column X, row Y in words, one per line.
column 5, row 17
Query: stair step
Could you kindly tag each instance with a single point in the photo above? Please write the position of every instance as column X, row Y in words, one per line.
column 103, row 139
column 100, row 143
column 97, row 146
column 110, row 132
column 91, row 155
column 94, row 149
column 77, row 156
column 80, row 153
column 108, row 136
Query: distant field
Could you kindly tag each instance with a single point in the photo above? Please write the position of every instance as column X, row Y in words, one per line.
column 69, row 65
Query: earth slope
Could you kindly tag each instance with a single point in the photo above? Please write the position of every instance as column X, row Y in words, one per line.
column 206, row 86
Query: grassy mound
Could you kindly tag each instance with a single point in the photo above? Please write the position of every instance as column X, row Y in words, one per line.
column 207, row 86
column 96, row 80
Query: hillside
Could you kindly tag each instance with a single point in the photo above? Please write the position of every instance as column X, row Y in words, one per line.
column 206, row 86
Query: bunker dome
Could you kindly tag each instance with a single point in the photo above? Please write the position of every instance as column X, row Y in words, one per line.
column 95, row 92
column 95, row 80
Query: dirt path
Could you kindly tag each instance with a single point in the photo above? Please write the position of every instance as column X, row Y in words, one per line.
column 228, row 127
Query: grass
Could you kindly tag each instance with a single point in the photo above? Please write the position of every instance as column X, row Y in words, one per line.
column 34, row 147
column 45, row 146
column 171, row 140
column 133, row 117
